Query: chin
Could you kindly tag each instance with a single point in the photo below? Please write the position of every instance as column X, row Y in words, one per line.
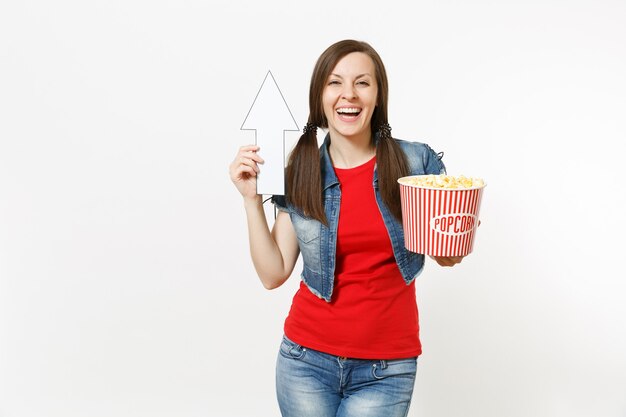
column 352, row 133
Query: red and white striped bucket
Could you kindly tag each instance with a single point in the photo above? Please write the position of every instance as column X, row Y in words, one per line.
column 439, row 221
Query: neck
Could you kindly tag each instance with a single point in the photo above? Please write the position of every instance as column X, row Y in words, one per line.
column 350, row 152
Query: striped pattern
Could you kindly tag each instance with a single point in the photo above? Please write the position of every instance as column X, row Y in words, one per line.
column 440, row 222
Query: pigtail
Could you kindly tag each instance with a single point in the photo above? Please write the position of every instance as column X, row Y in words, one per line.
column 304, row 179
column 391, row 165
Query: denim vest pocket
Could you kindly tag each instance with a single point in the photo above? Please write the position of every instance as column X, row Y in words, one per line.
column 308, row 232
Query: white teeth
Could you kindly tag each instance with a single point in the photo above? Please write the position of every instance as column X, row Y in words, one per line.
column 352, row 110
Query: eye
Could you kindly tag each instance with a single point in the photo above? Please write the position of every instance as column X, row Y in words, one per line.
column 334, row 82
column 365, row 83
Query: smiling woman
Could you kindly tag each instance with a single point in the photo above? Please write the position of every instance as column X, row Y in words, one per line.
column 349, row 74
column 352, row 335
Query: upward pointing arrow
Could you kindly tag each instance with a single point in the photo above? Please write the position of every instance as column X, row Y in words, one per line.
column 270, row 118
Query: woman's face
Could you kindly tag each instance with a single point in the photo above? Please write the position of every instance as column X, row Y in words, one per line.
column 349, row 97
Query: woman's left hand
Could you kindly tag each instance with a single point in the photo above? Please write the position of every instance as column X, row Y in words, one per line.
column 448, row 260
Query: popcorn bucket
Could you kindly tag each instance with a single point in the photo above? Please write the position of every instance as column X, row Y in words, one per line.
column 439, row 221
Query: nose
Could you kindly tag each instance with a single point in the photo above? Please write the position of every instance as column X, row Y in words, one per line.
column 349, row 92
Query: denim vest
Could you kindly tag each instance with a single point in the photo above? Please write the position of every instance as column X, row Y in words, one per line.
column 318, row 243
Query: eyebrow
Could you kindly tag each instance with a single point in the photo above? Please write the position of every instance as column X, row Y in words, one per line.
column 357, row 77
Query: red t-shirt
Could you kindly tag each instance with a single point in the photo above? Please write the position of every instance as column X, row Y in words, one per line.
column 372, row 313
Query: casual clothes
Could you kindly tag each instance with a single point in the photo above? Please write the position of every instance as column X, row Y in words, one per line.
column 373, row 313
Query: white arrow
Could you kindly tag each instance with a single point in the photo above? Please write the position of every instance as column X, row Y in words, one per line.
column 270, row 118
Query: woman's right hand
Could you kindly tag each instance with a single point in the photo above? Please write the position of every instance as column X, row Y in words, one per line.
column 244, row 170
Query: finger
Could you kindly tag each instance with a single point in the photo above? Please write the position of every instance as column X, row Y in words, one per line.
column 243, row 173
column 244, row 161
column 441, row 261
column 456, row 259
column 446, row 261
column 436, row 259
column 240, row 165
column 452, row 260
column 249, row 148
column 254, row 156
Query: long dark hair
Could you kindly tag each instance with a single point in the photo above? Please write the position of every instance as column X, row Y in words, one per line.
column 304, row 181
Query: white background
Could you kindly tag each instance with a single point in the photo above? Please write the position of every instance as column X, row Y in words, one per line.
column 126, row 287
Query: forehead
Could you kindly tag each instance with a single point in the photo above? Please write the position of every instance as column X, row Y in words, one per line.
column 353, row 64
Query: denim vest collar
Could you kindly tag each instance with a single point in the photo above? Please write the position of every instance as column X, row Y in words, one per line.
column 329, row 178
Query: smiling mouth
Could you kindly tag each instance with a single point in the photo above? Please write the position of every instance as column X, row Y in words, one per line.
column 350, row 112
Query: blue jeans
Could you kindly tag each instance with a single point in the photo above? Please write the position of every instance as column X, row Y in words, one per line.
column 310, row 383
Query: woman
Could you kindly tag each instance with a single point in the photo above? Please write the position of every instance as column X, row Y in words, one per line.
column 352, row 335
